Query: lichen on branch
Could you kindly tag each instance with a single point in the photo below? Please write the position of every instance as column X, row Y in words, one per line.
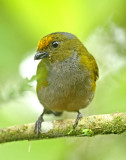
column 88, row 126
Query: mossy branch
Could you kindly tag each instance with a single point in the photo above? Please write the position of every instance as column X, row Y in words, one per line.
column 88, row 126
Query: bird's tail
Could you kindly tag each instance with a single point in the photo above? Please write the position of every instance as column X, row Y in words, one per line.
column 51, row 112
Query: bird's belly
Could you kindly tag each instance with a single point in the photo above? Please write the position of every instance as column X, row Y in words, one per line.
column 63, row 94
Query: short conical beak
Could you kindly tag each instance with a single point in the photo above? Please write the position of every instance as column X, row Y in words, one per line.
column 40, row 55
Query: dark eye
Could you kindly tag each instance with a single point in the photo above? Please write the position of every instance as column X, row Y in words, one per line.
column 55, row 44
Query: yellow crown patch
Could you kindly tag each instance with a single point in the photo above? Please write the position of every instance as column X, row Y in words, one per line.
column 44, row 42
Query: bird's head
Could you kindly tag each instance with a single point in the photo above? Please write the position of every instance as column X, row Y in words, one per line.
column 57, row 46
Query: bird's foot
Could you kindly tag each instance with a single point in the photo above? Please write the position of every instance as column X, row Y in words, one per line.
column 79, row 116
column 37, row 128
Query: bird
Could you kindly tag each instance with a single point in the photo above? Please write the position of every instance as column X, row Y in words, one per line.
column 66, row 75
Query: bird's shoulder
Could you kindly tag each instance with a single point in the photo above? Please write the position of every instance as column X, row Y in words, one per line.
column 42, row 74
column 87, row 60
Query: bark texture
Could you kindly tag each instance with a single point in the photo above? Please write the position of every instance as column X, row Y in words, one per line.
column 88, row 126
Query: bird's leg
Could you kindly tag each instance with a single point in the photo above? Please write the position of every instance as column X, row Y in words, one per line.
column 38, row 123
column 77, row 119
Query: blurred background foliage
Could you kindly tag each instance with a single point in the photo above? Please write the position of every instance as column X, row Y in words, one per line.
column 101, row 25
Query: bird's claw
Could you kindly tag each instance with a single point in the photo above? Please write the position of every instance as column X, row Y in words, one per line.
column 79, row 116
column 37, row 128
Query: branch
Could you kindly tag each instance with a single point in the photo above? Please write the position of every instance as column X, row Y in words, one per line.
column 88, row 126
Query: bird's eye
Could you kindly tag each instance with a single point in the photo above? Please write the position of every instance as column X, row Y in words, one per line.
column 55, row 44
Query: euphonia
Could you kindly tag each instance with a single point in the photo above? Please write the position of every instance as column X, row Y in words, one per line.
column 66, row 75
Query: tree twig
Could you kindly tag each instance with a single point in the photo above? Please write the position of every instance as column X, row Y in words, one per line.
column 88, row 126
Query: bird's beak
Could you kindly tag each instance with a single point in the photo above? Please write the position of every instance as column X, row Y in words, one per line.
column 40, row 55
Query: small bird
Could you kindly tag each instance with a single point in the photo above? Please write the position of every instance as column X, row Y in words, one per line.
column 66, row 75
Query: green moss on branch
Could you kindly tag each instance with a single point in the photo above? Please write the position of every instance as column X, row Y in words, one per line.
column 88, row 126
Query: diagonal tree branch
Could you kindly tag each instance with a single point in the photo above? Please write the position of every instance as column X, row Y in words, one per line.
column 88, row 126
